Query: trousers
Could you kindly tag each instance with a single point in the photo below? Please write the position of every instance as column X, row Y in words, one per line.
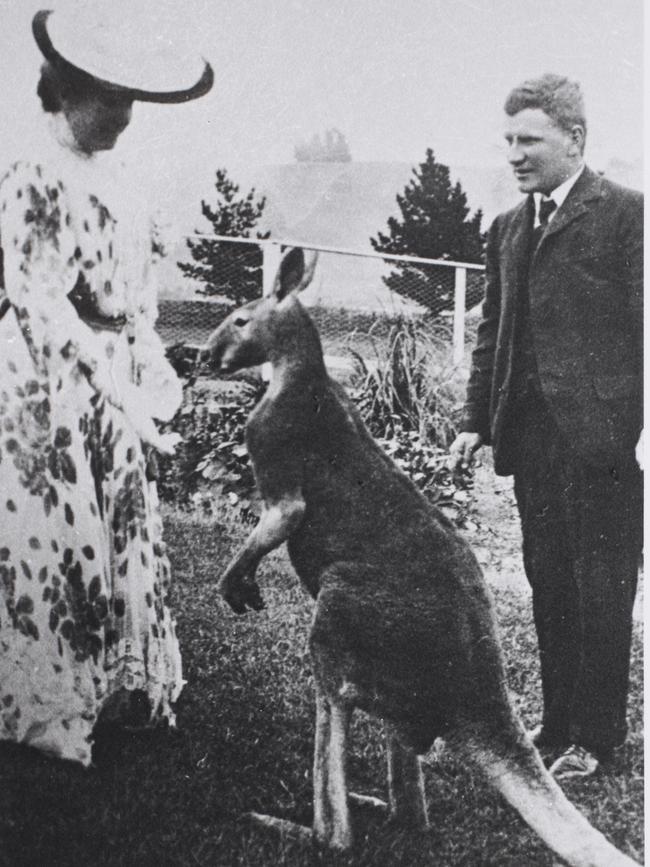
column 582, row 528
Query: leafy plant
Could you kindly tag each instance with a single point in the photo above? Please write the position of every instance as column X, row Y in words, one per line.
column 212, row 462
column 426, row 464
column 410, row 383
column 408, row 397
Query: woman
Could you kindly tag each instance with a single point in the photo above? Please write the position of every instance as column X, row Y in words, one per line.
column 84, row 622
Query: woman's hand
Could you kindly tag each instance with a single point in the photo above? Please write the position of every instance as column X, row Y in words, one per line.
column 166, row 443
column 144, row 425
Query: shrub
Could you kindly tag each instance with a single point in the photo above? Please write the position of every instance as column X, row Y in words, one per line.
column 410, row 384
column 408, row 397
column 212, row 463
column 426, row 464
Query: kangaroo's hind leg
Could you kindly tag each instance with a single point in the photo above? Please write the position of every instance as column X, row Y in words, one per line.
column 331, row 824
column 331, row 813
column 405, row 784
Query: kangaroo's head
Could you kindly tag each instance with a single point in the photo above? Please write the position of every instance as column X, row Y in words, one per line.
column 256, row 332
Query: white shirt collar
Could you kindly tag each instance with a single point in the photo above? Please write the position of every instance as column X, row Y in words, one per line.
column 558, row 195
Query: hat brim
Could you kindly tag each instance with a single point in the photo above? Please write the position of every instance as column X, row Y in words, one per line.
column 63, row 64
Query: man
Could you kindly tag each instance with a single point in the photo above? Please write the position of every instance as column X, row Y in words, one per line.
column 555, row 389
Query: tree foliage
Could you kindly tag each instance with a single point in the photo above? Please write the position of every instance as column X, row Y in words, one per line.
column 230, row 270
column 435, row 224
column 333, row 148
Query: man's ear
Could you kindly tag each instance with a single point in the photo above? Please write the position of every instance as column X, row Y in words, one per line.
column 577, row 135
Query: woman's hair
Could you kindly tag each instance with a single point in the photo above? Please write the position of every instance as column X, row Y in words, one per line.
column 56, row 85
column 555, row 95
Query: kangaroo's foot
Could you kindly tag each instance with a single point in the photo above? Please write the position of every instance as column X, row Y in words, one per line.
column 338, row 837
column 286, row 829
column 414, row 817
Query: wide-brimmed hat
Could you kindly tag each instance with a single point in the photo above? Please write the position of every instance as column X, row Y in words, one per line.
column 143, row 65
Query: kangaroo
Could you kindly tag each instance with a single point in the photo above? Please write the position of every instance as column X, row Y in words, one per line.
column 403, row 626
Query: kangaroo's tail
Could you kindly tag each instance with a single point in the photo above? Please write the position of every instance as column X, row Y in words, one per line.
column 517, row 771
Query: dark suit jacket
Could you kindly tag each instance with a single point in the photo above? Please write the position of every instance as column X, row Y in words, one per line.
column 586, row 297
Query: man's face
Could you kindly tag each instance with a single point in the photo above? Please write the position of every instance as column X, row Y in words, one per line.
column 541, row 154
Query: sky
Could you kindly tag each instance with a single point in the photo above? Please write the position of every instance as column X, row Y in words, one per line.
column 395, row 76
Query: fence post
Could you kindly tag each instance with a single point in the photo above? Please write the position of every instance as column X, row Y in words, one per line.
column 460, row 285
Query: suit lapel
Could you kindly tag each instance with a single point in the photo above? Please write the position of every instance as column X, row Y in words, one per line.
column 586, row 189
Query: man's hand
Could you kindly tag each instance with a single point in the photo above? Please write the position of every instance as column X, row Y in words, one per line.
column 461, row 451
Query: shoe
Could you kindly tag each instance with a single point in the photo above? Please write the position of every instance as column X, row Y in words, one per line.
column 548, row 744
column 542, row 738
column 576, row 763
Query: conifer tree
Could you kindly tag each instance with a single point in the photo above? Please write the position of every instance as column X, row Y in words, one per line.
column 230, row 270
column 435, row 224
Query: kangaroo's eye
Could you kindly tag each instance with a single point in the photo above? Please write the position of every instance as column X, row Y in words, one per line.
column 240, row 321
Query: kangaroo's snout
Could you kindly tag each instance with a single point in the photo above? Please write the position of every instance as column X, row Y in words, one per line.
column 232, row 346
column 210, row 356
column 205, row 357
column 217, row 353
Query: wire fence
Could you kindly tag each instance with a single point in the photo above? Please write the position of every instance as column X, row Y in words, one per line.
column 355, row 298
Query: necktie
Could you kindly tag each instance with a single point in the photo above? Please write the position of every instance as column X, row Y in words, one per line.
column 546, row 208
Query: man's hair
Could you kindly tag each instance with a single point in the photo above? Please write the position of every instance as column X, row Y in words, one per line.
column 557, row 97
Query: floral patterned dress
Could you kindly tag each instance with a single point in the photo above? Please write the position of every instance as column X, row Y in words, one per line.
column 84, row 622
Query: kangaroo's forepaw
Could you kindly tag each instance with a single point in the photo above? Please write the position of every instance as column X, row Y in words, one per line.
column 243, row 595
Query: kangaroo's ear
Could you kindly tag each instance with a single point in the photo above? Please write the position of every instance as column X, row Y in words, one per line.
column 290, row 274
column 295, row 272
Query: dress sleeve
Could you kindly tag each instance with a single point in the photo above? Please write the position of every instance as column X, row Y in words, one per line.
column 41, row 267
column 160, row 388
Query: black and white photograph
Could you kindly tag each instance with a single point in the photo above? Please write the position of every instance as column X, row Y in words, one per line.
column 321, row 433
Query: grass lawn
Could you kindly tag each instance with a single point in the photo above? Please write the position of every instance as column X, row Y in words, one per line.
column 244, row 742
